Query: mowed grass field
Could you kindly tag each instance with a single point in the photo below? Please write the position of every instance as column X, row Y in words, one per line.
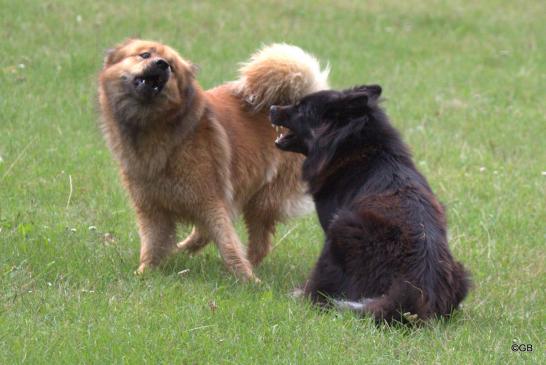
column 464, row 81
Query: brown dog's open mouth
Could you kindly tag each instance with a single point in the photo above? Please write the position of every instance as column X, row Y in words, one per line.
column 150, row 83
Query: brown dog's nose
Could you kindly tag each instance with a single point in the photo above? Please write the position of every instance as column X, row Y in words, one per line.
column 162, row 64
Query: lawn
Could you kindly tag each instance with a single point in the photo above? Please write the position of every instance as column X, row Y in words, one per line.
column 464, row 81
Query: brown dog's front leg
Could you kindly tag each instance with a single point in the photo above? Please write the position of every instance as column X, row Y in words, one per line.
column 157, row 237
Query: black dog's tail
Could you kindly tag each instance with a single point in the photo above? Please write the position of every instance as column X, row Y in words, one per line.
column 404, row 302
column 407, row 302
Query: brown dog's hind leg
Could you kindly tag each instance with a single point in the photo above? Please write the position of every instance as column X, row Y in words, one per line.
column 195, row 242
column 157, row 238
column 222, row 232
column 261, row 213
column 261, row 227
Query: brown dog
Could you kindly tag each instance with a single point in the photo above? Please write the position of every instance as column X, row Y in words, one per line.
column 188, row 155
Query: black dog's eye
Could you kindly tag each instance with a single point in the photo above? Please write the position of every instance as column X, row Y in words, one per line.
column 145, row 55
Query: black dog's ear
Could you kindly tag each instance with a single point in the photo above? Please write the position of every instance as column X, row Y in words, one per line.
column 355, row 103
column 351, row 104
column 373, row 91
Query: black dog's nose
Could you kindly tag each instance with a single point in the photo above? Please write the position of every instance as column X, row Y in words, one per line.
column 273, row 110
column 162, row 64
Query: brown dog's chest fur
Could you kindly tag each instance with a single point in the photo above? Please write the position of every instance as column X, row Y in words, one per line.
column 221, row 156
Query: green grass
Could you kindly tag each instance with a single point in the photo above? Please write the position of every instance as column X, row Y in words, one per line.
column 464, row 82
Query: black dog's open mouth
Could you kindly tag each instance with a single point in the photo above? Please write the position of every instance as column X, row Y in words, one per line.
column 283, row 135
column 279, row 118
column 150, row 83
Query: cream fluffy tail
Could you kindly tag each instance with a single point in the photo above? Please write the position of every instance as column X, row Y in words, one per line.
column 279, row 74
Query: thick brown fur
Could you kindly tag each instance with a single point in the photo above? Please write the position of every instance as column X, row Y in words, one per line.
column 192, row 156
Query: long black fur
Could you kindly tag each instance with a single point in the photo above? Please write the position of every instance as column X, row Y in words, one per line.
column 386, row 250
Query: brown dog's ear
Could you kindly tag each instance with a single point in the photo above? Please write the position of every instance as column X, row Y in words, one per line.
column 112, row 54
column 195, row 69
column 109, row 57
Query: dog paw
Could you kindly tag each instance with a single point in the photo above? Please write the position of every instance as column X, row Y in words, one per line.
column 141, row 270
column 247, row 277
column 297, row 293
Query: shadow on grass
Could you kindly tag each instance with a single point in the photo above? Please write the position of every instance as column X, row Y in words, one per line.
column 278, row 274
column 279, row 277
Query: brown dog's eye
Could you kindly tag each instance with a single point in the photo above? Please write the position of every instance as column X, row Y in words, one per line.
column 145, row 55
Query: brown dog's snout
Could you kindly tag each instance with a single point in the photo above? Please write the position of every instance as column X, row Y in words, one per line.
column 162, row 64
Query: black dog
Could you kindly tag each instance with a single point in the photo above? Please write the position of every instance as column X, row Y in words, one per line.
column 386, row 250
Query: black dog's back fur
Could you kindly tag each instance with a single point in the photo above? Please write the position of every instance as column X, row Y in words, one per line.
column 386, row 250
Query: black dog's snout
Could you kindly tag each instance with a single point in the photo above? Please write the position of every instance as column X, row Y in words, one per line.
column 162, row 64
column 273, row 110
column 278, row 113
